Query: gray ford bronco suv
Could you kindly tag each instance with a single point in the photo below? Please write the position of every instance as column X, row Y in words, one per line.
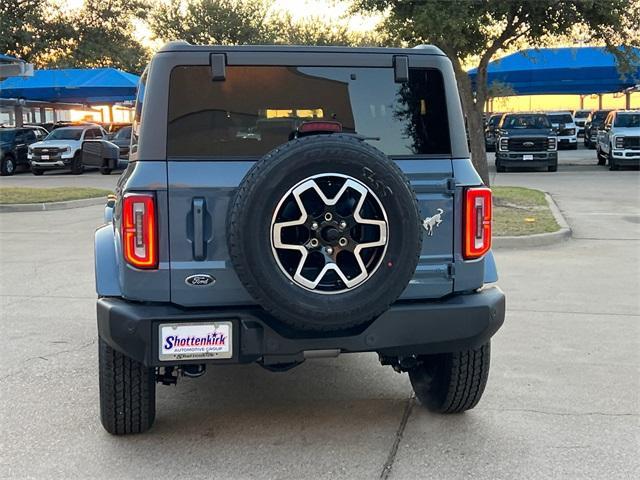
column 288, row 203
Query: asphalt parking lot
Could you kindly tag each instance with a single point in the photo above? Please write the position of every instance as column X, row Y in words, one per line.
column 563, row 399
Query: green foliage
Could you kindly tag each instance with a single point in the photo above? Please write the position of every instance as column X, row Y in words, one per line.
column 101, row 33
column 24, row 30
column 246, row 22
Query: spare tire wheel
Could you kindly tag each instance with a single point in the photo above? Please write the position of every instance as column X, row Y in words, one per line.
column 324, row 232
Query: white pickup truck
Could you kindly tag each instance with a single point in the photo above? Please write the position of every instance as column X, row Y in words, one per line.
column 61, row 149
column 619, row 139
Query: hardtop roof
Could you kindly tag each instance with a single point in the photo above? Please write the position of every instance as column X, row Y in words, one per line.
column 183, row 46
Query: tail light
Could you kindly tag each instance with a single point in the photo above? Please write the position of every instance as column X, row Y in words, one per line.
column 477, row 222
column 139, row 230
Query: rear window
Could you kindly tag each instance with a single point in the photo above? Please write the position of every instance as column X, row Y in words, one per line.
column 561, row 118
column 258, row 108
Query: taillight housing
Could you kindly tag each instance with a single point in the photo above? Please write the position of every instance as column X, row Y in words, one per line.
column 477, row 222
column 139, row 230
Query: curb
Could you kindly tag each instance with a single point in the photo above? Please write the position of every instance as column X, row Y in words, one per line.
column 539, row 239
column 43, row 207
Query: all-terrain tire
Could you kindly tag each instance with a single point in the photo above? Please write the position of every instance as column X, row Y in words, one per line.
column 602, row 160
column 77, row 167
column 500, row 168
column 127, row 392
column 37, row 171
column 552, row 168
column 8, row 166
column 451, row 382
column 249, row 232
column 105, row 170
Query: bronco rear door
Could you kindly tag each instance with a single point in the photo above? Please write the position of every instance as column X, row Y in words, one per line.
column 225, row 115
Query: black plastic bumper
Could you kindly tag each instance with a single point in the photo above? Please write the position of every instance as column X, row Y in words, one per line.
column 453, row 324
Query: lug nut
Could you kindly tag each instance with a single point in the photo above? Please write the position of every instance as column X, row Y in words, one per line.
column 343, row 242
column 329, row 251
column 314, row 226
column 343, row 224
column 328, row 216
column 313, row 242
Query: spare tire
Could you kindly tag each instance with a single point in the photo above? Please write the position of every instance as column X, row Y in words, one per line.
column 324, row 232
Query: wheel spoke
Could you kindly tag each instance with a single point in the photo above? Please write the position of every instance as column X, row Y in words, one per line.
column 317, row 267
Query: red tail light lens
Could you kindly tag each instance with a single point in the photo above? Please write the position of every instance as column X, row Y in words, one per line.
column 477, row 222
column 139, row 230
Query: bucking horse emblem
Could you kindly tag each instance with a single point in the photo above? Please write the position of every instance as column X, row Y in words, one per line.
column 430, row 223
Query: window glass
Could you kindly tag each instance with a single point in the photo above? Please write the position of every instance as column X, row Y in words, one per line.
column 256, row 109
column 561, row 118
column 29, row 136
column 525, row 122
column 137, row 119
column 65, row 134
column 627, row 120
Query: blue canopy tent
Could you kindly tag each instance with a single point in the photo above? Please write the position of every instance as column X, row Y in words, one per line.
column 579, row 71
column 97, row 86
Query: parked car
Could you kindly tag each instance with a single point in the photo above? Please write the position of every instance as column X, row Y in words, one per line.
column 526, row 140
column 619, row 139
column 330, row 238
column 566, row 129
column 14, row 144
column 122, row 138
column 580, row 118
column 593, row 123
column 61, row 149
column 490, row 132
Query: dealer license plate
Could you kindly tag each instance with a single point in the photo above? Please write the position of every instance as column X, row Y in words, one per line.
column 527, row 157
column 195, row 341
column 44, row 157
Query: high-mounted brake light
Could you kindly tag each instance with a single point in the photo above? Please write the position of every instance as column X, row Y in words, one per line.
column 324, row 126
column 477, row 222
column 139, row 230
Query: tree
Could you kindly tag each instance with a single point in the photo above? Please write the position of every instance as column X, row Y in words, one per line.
column 102, row 34
column 248, row 22
column 468, row 30
column 221, row 22
column 26, row 31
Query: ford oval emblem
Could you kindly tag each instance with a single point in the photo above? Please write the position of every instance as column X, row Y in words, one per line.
column 200, row 280
column 528, row 144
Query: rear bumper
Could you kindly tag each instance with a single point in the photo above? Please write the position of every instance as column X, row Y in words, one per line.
column 453, row 324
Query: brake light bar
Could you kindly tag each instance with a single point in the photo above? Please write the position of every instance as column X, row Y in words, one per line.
column 477, row 222
column 139, row 230
column 320, row 126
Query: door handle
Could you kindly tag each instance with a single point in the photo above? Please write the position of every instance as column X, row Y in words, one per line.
column 198, row 228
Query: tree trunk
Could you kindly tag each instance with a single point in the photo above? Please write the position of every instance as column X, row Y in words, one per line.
column 473, row 109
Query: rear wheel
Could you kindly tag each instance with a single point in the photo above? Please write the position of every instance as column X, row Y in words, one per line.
column 8, row 166
column 77, row 167
column 127, row 392
column 451, row 382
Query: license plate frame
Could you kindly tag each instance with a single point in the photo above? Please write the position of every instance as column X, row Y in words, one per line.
column 183, row 348
column 527, row 157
